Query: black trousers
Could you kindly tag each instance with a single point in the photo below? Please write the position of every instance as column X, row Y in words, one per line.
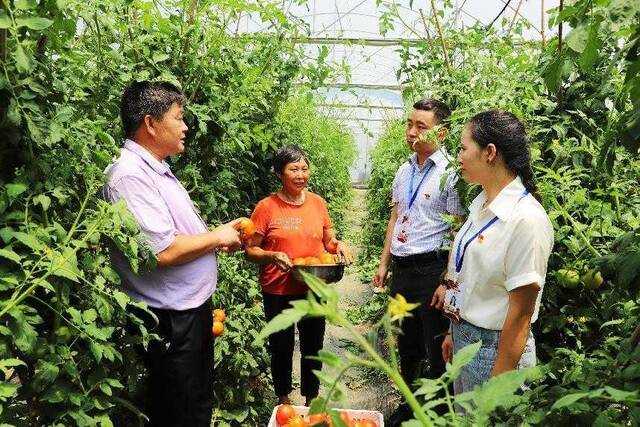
column 311, row 332
column 416, row 278
column 180, row 392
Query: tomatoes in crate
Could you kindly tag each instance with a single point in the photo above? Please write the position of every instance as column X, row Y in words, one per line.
column 284, row 414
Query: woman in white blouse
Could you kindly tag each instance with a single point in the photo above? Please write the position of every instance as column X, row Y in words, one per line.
column 499, row 261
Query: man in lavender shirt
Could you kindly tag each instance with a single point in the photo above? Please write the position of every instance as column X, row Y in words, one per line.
column 179, row 290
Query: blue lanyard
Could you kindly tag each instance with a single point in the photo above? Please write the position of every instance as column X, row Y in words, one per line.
column 411, row 197
column 460, row 256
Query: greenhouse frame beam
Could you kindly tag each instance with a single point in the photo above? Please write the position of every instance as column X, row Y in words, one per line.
column 369, row 107
column 359, row 86
column 361, row 119
column 360, row 41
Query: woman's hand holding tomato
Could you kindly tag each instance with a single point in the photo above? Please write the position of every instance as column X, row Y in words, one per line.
column 335, row 246
column 343, row 251
column 281, row 260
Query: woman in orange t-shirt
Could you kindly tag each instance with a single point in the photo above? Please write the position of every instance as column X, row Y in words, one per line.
column 291, row 223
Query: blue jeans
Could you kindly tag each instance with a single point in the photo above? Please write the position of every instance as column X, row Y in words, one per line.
column 479, row 369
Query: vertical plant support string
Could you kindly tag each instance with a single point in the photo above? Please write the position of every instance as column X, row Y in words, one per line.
column 444, row 46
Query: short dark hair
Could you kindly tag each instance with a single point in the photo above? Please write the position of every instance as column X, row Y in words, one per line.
column 288, row 154
column 145, row 97
column 438, row 108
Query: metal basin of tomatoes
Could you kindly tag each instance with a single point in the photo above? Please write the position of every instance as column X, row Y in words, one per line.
column 328, row 273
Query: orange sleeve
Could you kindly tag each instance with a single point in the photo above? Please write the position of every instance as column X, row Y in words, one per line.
column 261, row 217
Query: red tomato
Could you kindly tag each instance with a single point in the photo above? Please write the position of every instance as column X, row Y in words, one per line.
column 345, row 418
column 317, row 419
column 284, row 413
column 296, row 421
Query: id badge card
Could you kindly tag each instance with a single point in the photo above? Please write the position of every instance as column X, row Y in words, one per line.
column 453, row 300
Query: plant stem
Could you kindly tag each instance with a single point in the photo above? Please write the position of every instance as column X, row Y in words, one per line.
column 452, row 411
column 576, row 226
column 390, row 342
column 72, row 230
column 444, row 46
column 335, row 384
column 392, row 373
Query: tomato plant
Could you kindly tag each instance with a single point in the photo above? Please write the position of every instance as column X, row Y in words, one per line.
column 67, row 330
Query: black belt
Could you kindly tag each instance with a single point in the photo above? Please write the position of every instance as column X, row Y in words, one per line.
column 402, row 261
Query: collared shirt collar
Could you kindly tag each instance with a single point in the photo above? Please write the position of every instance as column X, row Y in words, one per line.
column 505, row 202
column 437, row 157
column 161, row 167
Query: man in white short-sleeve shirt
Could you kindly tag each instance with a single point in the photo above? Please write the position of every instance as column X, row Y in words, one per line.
column 415, row 237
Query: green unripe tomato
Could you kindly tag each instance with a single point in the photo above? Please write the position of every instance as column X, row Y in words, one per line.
column 569, row 279
column 592, row 279
column 63, row 334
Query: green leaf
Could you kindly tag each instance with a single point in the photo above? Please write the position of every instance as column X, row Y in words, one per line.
column 43, row 200
column 5, row 21
column 6, row 234
column 96, row 350
column 554, row 72
column 9, row 363
column 106, row 389
column 568, row 400
column 577, row 39
column 317, row 405
column 114, row 383
column 282, row 321
column 500, row 391
column 34, row 22
column 46, row 372
column 462, row 358
column 621, row 395
column 65, row 265
column 611, row 323
column 7, row 390
column 591, row 51
column 329, row 359
column 121, row 298
column 9, row 254
column 23, row 61
column 26, row 4
column 90, row 315
column 15, row 189
column 159, row 57
column 28, row 240
column 428, row 387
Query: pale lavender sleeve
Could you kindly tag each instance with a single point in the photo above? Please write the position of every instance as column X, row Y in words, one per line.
column 148, row 208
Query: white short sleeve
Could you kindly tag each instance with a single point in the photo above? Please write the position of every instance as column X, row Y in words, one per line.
column 528, row 251
column 395, row 186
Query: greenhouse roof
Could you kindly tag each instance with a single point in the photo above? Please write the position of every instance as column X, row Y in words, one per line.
column 352, row 32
